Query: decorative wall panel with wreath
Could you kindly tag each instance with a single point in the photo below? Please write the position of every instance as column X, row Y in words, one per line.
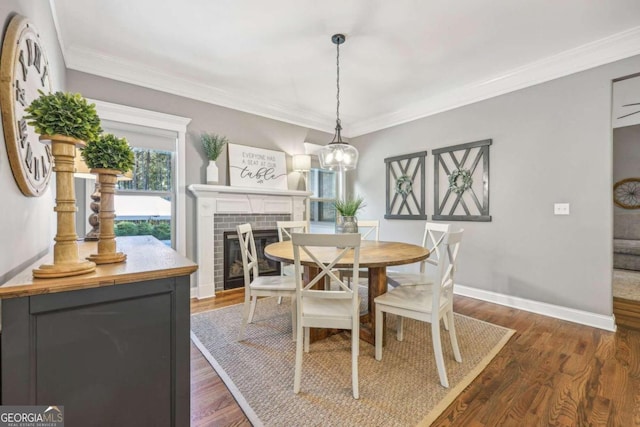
column 406, row 186
column 461, row 182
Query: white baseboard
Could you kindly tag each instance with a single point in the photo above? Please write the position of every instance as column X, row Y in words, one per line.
column 564, row 313
column 203, row 292
column 206, row 291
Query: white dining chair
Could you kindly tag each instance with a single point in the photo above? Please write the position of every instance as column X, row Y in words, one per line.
column 285, row 229
column 369, row 230
column 434, row 234
column 260, row 286
column 427, row 304
column 337, row 308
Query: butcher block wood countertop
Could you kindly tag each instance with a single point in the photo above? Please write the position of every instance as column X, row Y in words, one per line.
column 147, row 259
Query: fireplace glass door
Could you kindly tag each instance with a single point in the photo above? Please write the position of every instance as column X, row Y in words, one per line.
column 233, row 270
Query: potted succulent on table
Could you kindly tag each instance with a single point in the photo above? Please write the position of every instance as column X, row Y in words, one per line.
column 108, row 156
column 65, row 121
column 346, row 221
column 213, row 145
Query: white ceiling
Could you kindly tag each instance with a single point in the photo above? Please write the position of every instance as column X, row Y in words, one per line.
column 402, row 60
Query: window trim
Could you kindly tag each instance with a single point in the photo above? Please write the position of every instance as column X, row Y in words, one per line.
column 154, row 119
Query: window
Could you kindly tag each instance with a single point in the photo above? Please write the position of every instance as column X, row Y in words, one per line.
column 150, row 203
column 323, row 184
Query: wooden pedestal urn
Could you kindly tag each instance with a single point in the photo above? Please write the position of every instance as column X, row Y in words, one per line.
column 107, row 239
column 66, row 261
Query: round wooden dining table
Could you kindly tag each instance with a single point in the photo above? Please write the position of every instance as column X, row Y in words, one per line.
column 375, row 255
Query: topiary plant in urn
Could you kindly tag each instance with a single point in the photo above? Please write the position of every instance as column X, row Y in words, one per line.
column 65, row 121
column 108, row 156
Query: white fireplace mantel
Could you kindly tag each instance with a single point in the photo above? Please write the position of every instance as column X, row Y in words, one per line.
column 221, row 199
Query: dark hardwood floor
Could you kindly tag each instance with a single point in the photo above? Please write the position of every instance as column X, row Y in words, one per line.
column 551, row 373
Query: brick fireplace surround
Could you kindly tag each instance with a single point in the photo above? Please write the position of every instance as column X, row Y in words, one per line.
column 220, row 208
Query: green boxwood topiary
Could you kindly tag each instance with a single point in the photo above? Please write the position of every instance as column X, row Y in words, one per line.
column 108, row 152
column 65, row 114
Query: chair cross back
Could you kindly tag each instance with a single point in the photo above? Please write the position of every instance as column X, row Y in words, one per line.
column 371, row 227
column 345, row 241
column 434, row 235
column 286, row 228
column 248, row 251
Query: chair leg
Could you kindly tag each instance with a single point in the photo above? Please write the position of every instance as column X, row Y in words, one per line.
column 453, row 337
column 445, row 320
column 355, row 350
column 437, row 351
column 294, row 318
column 400, row 328
column 379, row 332
column 279, row 300
column 306, row 340
column 298, row 372
column 253, row 308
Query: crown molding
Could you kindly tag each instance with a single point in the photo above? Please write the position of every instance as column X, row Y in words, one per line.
column 111, row 67
column 609, row 49
column 139, row 116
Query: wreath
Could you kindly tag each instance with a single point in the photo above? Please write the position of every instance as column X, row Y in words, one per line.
column 460, row 181
column 404, row 185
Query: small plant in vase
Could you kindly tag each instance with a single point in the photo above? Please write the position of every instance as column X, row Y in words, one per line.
column 213, row 145
column 346, row 221
column 108, row 156
column 64, row 121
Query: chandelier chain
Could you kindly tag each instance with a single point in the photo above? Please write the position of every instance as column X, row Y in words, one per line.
column 338, row 83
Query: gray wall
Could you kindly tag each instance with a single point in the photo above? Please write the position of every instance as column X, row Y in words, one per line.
column 551, row 143
column 240, row 128
column 27, row 224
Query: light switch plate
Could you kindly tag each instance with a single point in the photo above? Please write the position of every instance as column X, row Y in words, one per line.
column 561, row 208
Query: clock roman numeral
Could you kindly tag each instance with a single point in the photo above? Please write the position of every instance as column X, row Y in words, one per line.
column 30, row 51
column 22, row 131
column 37, row 56
column 47, row 149
column 45, row 169
column 28, row 158
column 36, row 169
column 23, row 65
column 20, row 94
column 44, row 75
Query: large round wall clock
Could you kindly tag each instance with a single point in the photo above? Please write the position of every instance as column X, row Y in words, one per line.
column 23, row 72
column 626, row 193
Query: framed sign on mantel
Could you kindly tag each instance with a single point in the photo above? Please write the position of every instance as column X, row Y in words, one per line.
column 256, row 167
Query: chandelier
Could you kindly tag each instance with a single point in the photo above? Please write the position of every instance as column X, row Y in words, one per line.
column 338, row 155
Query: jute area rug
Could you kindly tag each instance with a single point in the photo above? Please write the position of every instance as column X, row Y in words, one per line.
column 401, row 390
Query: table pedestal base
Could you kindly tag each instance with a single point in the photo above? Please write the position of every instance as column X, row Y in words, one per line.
column 377, row 286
